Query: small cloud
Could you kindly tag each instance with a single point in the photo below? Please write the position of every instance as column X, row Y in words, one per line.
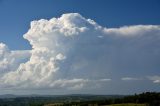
column 129, row 79
column 100, row 36
column 104, row 80
column 60, row 57
column 155, row 79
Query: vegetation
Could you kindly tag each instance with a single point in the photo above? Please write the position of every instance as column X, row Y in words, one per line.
column 127, row 104
column 144, row 99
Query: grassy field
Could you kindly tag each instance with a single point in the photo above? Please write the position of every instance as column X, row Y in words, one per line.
column 127, row 104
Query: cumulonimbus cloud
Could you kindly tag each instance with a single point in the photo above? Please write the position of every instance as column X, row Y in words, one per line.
column 73, row 52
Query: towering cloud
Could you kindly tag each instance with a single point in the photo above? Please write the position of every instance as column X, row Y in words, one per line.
column 72, row 52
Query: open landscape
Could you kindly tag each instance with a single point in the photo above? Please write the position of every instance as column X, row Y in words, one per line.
column 144, row 99
column 128, row 104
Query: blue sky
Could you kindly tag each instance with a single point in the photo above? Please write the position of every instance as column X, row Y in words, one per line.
column 79, row 46
column 16, row 15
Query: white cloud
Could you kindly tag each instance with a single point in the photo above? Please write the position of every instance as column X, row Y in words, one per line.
column 155, row 79
column 129, row 79
column 10, row 60
column 136, row 30
column 76, row 84
column 72, row 52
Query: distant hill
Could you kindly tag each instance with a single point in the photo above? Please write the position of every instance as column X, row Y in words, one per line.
column 59, row 96
column 7, row 96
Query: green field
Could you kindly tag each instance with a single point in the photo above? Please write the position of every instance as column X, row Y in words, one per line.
column 127, row 104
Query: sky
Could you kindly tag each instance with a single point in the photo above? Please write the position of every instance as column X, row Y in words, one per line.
column 80, row 47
